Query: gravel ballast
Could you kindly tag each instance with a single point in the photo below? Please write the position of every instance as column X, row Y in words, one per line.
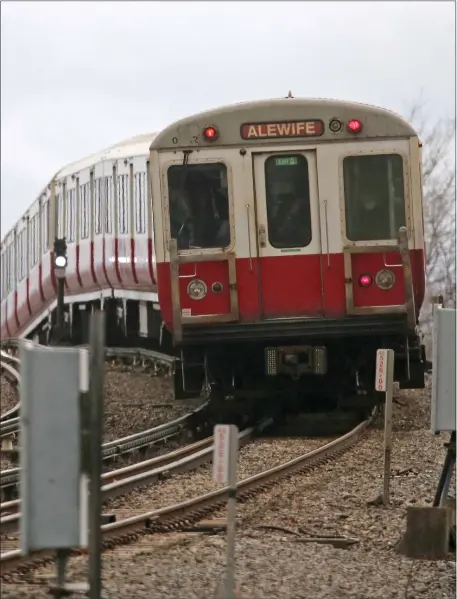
column 8, row 399
column 8, row 395
column 135, row 401
column 333, row 500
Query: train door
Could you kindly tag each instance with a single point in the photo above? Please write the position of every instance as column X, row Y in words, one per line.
column 202, row 269
column 288, row 233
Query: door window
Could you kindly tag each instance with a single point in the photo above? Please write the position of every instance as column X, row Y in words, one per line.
column 288, row 201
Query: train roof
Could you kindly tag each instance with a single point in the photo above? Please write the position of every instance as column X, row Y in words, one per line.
column 377, row 122
column 133, row 146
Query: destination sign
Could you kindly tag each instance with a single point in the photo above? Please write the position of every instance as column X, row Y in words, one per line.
column 282, row 129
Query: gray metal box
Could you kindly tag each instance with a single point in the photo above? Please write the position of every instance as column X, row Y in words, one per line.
column 444, row 370
column 53, row 489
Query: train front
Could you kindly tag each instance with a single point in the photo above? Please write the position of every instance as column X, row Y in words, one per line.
column 289, row 242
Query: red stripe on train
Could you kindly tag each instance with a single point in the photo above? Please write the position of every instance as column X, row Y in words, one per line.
column 132, row 249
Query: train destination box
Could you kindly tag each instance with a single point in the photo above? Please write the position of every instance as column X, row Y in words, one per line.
column 53, row 485
column 443, row 377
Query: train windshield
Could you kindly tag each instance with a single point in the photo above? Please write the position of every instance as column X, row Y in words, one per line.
column 375, row 196
column 199, row 205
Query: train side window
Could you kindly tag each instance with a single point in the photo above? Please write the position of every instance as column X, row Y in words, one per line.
column 2, row 274
column 374, row 194
column 140, row 202
column 60, row 215
column 98, row 206
column 21, row 254
column 12, row 269
column 71, row 215
column 288, row 201
column 123, row 203
column 33, row 241
column 107, row 188
column 14, row 266
column 24, row 252
column 84, row 203
column 199, row 205
column 8, row 270
column 45, row 222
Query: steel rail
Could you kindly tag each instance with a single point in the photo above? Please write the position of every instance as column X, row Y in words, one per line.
column 113, row 449
column 180, row 515
column 162, row 363
column 121, row 481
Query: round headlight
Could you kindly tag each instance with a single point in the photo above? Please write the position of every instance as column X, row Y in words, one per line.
column 385, row 279
column 197, row 289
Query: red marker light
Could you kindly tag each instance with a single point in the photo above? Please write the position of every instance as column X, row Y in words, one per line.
column 210, row 133
column 365, row 280
column 354, row 126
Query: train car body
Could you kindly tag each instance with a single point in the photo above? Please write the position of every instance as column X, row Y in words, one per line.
column 101, row 205
column 290, row 246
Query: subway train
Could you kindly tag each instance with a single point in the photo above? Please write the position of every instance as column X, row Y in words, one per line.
column 272, row 246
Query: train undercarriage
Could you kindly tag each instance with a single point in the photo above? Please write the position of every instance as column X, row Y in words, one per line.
column 295, row 374
column 129, row 323
column 247, row 375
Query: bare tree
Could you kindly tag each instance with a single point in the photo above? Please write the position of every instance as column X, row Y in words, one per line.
column 438, row 179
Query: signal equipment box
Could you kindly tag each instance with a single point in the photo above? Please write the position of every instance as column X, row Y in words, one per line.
column 444, row 371
column 54, row 486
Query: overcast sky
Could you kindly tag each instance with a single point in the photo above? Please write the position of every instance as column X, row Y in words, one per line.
column 79, row 76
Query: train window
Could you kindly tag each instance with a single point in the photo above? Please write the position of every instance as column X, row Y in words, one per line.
column 60, row 215
column 288, row 203
column 11, row 268
column 123, row 204
column 98, row 205
column 71, row 215
column 140, row 202
column 374, row 196
column 84, row 203
column 45, row 222
column 19, row 256
column 108, row 203
column 8, row 271
column 33, row 241
column 3, row 274
column 21, row 250
column 199, row 205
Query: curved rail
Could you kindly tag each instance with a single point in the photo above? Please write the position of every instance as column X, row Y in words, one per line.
column 161, row 363
column 180, row 515
column 121, row 481
column 110, row 352
column 112, row 449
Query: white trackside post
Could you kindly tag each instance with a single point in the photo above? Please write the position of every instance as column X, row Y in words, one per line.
column 224, row 471
column 384, row 382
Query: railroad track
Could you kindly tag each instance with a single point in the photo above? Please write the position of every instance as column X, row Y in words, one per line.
column 9, row 479
column 121, row 481
column 157, row 363
column 180, row 516
column 147, row 358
